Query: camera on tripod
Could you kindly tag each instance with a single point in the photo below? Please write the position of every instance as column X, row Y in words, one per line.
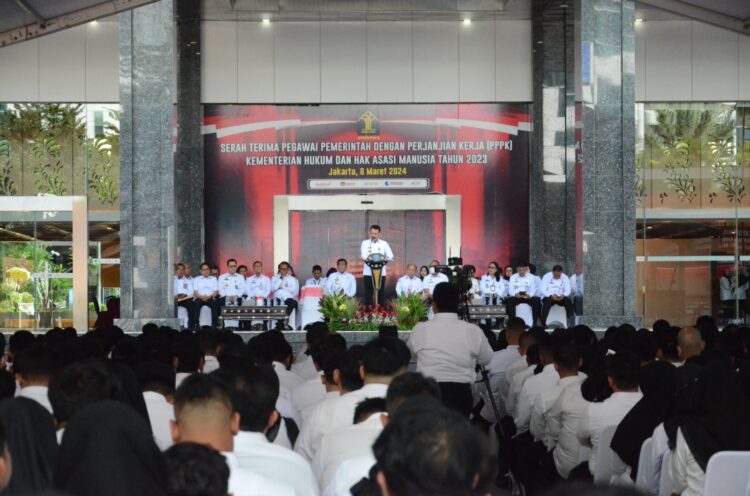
column 457, row 275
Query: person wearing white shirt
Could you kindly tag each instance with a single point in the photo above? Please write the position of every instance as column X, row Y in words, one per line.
column 501, row 360
column 369, row 247
column 33, row 369
column 536, row 384
column 409, row 283
column 556, row 290
column 285, row 290
column 517, row 384
column 342, row 282
column 312, row 391
column 382, row 359
column 183, row 292
column 258, row 285
column 158, row 382
column 524, row 342
column 231, row 285
column 523, row 288
column 432, row 279
column 448, row 349
column 205, row 291
column 349, row 442
column 317, row 280
column 622, row 375
column 563, row 420
column 256, row 393
column 566, row 365
column 204, row 414
column 492, row 286
column 303, row 365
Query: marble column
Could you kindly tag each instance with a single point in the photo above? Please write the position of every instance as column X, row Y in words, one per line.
column 583, row 151
column 553, row 193
column 146, row 166
column 188, row 163
column 607, row 34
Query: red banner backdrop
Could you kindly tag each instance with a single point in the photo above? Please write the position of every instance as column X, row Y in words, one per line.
column 256, row 152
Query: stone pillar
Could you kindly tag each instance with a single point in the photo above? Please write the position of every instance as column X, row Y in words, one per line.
column 583, row 214
column 146, row 166
column 553, row 187
column 607, row 61
column 188, row 163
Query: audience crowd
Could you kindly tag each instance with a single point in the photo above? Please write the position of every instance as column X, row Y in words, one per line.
column 457, row 410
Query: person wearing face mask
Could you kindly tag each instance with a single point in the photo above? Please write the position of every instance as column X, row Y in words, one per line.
column 428, row 285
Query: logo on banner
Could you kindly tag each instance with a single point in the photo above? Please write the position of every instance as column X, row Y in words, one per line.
column 368, row 124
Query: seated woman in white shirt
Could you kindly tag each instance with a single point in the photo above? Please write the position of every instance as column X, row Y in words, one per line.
column 709, row 416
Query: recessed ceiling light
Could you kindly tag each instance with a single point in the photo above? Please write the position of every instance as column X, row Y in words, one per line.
column 467, row 21
column 266, row 20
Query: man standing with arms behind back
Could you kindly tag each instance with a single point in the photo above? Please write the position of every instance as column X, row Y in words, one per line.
column 448, row 349
column 369, row 246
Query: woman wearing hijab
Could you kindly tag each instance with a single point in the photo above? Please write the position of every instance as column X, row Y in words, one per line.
column 30, row 437
column 658, row 384
column 109, row 449
column 710, row 416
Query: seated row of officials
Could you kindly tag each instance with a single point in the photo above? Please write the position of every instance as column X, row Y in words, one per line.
column 234, row 288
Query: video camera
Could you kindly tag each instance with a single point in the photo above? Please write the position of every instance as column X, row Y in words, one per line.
column 457, row 275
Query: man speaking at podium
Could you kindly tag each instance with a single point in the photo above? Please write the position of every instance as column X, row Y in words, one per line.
column 369, row 246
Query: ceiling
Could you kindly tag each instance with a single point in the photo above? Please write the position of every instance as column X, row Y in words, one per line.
column 728, row 14
column 22, row 20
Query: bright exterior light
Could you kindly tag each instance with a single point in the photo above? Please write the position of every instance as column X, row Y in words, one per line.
column 467, row 22
column 266, row 21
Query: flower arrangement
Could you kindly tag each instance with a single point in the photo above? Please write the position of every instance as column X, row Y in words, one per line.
column 345, row 313
column 409, row 309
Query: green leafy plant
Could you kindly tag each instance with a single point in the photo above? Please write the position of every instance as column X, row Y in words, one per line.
column 338, row 310
column 100, row 177
column 7, row 185
column 409, row 310
column 48, row 172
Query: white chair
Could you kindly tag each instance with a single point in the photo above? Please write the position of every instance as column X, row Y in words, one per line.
column 182, row 314
column 608, row 463
column 557, row 314
column 727, row 473
column 204, row 319
column 665, row 481
column 523, row 312
column 309, row 303
column 644, row 461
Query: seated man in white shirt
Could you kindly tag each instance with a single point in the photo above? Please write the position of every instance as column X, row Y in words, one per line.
column 448, row 349
column 409, row 283
column 500, row 362
column 429, row 283
column 183, row 292
column 204, row 414
column 210, row 342
column 205, row 292
column 255, row 392
column 622, row 375
column 74, row 388
column 524, row 342
column 523, row 287
column 33, row 368
column 409, row 463
column 187, row 357
column 303, row 365
column 313, row 391
column 355, row 456
column 536, row 463
column 231, row 285
column 317, row 280
column 341, row 281
column 285, row 290
column 193, row 469
column 382, row 359
column 157, row 381
column 334, row 380
column 556, row 290
column 537, row 384
column 349, row 442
